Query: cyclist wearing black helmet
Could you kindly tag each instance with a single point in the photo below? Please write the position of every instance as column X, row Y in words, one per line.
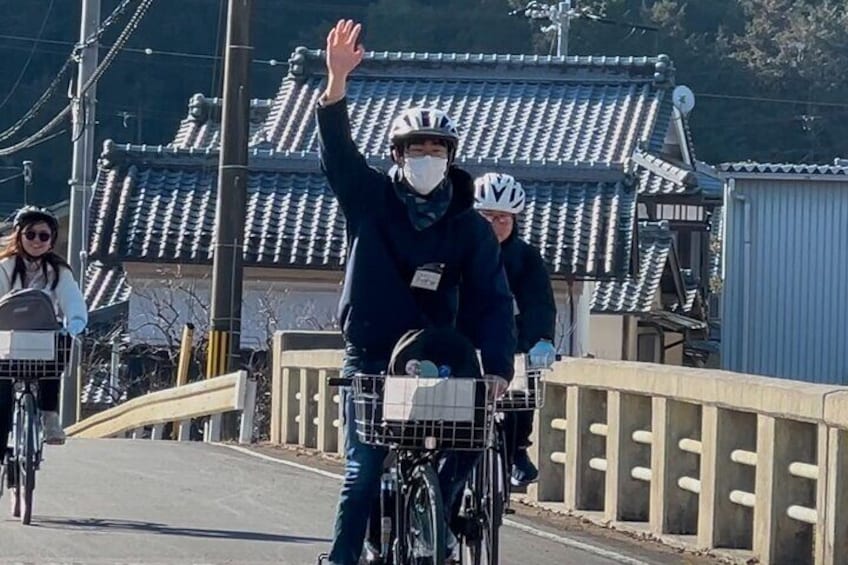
column 412, row 236
column 28, row 261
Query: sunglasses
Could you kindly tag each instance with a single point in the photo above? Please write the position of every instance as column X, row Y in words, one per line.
column 43, row 236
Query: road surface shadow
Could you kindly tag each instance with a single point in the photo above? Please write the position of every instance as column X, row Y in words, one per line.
column 114, row 525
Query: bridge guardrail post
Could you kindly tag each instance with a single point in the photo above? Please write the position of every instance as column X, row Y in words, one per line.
column 721, row 522
column 778, row 538
column 327, row 411
column 832, row 531
column 584, row 486
column 278, row 391
column 674, row 509
column 247, row 399
column 306, row 436
column 626, row 496
column 290, row 382
column 547, row 441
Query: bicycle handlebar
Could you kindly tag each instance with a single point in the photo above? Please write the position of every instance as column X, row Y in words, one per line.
column 340, row 381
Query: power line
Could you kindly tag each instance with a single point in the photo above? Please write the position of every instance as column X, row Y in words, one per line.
column 148, row 51
column 131, row 26
column 31, row 53
column 772, row 100
column 11, row 178
column 71, row 59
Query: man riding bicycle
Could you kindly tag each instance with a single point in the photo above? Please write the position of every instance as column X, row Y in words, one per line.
column 412, row 236
column 500, row 199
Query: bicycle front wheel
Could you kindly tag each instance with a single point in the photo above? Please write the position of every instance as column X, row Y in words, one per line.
column 424, row 518
column 26, row 460
column 481, row 547
column 495, row 504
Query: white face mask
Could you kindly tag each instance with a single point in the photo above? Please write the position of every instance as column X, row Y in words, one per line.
column 424, row 173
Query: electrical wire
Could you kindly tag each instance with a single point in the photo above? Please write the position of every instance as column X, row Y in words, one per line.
column 11, row 178
column 29, row 57
column 131, row 26
column 71, row 59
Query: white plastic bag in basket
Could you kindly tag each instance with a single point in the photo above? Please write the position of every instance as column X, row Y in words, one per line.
column 408, row 399
column 27, row 345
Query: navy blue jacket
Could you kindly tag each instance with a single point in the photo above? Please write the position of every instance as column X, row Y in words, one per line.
column 534, row 298
column 378, row 305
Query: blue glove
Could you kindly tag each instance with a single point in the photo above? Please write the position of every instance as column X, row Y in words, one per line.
column 75, row 326
column 542, row 355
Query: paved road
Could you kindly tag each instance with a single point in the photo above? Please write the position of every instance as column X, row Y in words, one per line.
column 146, row 502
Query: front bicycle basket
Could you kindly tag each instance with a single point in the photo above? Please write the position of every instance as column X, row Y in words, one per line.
column 423, row 414
column 30, row 346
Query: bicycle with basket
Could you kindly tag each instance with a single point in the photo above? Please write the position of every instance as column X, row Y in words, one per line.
column 418, row 419
column 33, row 348
column 486, row 498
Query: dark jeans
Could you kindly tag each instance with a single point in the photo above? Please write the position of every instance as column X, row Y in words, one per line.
column 363, row 468
column 518, row 427
column 48, row 401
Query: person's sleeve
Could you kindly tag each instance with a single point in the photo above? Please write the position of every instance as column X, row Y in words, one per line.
column 6, row 270
column 535, row 298
column 351, row 179
column 70, row 298
column 485, row 280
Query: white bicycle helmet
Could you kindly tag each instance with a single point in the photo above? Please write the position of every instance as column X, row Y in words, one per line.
column 423, row 123
column 499, row 192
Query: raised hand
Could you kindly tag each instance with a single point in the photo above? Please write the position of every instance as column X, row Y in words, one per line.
column 344, row 53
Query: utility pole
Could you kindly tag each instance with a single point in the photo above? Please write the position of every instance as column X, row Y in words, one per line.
column 81, row 179
column 563, row 26
column 231, row 207
column 560, row 16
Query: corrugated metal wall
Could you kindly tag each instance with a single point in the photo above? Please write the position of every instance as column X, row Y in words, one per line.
column 785, row 311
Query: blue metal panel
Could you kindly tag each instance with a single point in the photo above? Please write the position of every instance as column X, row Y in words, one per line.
column 786, row 279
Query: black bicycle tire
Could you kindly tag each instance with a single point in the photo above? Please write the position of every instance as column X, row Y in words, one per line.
column 496, row 505
column 424, row 477
column 479, row 482
column 16, row 488
column 27, row 465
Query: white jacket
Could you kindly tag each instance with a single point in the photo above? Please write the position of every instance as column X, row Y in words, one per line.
column 67, row 296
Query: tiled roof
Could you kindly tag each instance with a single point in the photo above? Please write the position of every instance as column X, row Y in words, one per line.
column 201, row 128
column 542, row 110
column 660, row 177
column 709, row 180
column 160, row 206
column 105, row 285
column 98, row 390
column 637, row 294
column 784, row 168
column 677, row 322
column 689, row 297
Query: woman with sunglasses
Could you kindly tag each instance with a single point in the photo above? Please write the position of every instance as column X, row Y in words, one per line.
column 28, row 261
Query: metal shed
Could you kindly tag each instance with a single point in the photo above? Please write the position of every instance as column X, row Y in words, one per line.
column 785, row 293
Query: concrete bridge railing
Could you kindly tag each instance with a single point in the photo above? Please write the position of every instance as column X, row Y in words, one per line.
column 750, row 466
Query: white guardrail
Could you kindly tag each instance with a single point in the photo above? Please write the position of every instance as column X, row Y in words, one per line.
column 210, row 397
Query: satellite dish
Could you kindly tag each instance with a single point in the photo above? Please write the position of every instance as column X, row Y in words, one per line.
column 684, row 99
